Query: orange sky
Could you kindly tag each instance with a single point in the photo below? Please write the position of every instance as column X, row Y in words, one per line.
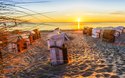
column 83, row 18
column 71, row 10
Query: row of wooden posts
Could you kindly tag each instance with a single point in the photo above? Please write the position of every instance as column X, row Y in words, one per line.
column 21, row 42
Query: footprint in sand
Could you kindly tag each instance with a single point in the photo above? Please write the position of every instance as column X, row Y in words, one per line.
column 108, row 69
column 101, row 65
column 99, row 75
column 88, row 73
column 110, row 66
column 94, row 67
column 106, row 75
column 83, row 66
column 100, row 70
column 89, row 69
column 102, row 61
column 114, row 76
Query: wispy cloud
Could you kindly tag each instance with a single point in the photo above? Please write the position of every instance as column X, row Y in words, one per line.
column 91, row 13
column 117, row 13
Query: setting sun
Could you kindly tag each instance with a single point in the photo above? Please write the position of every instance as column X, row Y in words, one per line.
column 78, row 20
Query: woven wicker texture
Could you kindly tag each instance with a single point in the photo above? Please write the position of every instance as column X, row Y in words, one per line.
column 108, row 35
column 89, row 31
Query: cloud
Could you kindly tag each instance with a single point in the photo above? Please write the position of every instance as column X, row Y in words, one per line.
column 117, row 13
column 91, row 14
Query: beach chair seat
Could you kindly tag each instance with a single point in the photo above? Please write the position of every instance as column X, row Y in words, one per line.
column 85, row 30
column 89, row 31
column 108, row 35
column 56, row 50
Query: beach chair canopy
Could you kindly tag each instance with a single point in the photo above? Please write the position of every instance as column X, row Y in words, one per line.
column 57, row 40
column 57, row 31
column 50, row 35
column 32, row 32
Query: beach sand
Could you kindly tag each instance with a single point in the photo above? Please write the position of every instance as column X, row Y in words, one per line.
column 88, row 58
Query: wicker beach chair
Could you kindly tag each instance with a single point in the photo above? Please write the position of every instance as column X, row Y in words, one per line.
column 89, row 31
column 124, row 30
column 55, row 32
column 31, row 39
column 21, row 44
column 120, row 29
column 4, row 39
column 117, row 32
column 31, row 36
column 26, row 37
column 85, row 30
column 108, row 35
column 58, row 56
column 37, row 34
column 96, row 32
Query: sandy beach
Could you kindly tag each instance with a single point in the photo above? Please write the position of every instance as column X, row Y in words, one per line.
column 88, row 58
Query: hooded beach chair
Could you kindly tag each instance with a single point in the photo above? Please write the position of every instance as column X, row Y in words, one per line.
column 89, row 31
column 120, row 29
column 103, row 31
column 56, row 50
column 21, row 44
column 85, row 30
column 26, row 37
column 96, row 32
column 124, row 30
column 55, row 32
column 4, row 39
column 31, row 36
column 108, row 35
column 37, row 34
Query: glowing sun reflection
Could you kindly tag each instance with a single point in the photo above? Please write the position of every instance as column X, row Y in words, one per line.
column 78, row 23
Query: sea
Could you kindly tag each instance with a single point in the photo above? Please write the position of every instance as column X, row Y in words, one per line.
column 63, row 25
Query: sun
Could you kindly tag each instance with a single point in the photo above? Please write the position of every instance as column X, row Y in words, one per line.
column 78, row 20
